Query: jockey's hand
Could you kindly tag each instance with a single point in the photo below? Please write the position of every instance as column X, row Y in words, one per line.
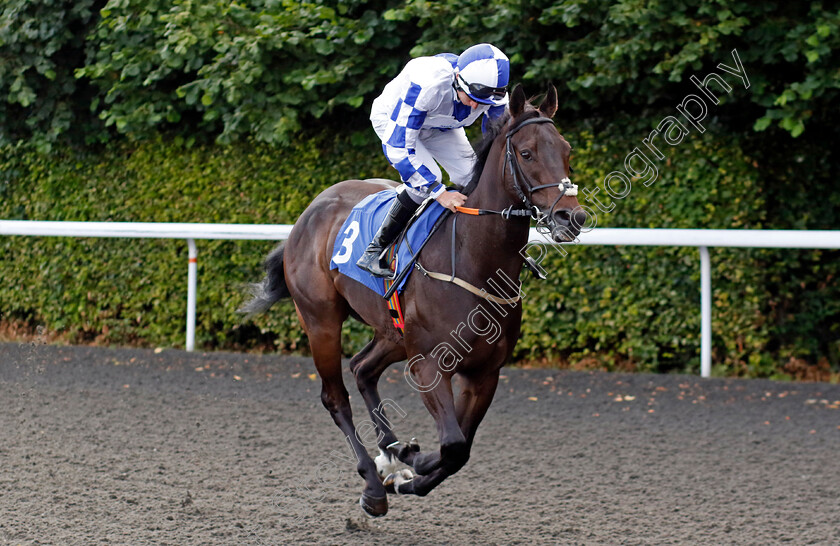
column 451, row 199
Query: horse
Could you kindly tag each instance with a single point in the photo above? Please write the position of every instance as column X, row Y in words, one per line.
column 522, row 172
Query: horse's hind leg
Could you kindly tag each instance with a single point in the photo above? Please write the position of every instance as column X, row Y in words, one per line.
column 325, row 340
column 367, row 366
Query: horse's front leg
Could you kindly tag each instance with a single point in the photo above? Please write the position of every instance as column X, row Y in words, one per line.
column 476, row 395
column 435, row 467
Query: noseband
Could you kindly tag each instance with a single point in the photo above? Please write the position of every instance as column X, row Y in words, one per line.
column 565, row 185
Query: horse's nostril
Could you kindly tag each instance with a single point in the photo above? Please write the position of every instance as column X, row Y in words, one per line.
column 562, row 217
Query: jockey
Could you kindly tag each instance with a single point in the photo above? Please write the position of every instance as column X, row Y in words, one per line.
column 420, row 119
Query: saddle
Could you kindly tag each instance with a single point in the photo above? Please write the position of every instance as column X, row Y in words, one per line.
column 359, row 228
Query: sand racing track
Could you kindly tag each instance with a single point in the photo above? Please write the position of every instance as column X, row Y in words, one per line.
column 124, row 446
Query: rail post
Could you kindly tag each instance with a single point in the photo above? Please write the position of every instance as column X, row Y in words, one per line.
column 192, row 281
column 705, row 313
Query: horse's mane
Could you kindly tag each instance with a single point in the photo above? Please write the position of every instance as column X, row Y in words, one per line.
column 493, row 129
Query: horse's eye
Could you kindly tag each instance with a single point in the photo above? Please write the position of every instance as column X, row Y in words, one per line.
column 525, row 154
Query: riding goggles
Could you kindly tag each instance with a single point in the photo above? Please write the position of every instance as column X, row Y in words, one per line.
column 481, row 91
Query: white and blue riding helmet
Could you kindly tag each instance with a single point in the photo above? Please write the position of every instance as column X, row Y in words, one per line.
column 483, row 72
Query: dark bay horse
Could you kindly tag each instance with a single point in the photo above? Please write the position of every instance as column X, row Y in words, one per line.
column 523, row 165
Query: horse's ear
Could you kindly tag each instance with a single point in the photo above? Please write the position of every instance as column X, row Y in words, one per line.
column 549, row 103
column 517, row 101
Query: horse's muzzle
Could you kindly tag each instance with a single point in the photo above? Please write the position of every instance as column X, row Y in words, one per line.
column 566, row 224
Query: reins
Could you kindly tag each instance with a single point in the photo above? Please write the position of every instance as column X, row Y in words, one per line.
column 506, row 213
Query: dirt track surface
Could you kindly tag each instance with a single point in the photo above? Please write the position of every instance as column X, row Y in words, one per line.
column 117, row 446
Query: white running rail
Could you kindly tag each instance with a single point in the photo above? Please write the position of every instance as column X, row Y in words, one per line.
column 701, row 238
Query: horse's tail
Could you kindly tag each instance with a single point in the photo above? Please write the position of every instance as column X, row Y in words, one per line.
column 272, row 288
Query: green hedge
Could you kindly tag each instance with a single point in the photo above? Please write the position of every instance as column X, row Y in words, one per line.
column 628, row 306
column 134, row 291
column 90, row 69
column 642, row 304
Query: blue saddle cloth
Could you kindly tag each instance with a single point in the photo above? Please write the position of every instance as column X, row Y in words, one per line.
column 360, row 227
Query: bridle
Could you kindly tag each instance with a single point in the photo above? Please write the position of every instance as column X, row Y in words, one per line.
column 544, row 221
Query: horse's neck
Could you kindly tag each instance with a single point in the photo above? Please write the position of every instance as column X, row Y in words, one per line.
column 490, row 242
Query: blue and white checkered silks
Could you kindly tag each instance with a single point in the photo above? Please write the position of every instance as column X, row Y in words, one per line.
column 452, row 150
column 420, row 123
column 406, row 120
column 494, row 112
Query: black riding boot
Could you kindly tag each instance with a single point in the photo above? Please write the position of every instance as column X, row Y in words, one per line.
column 395, row 221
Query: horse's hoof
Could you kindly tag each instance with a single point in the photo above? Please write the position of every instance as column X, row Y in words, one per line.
column 409, row 447
column 374, row 506
column 393, row 481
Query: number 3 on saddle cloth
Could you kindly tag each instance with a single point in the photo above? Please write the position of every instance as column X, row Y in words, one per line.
column 357, row 232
